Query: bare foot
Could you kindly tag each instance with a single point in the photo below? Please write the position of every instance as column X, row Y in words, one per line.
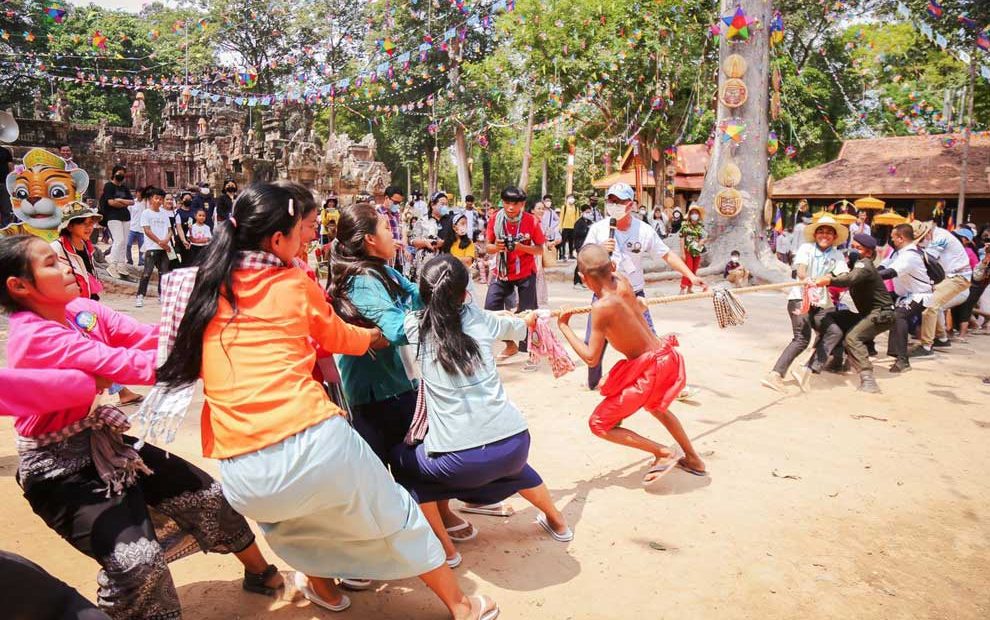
column 481, row 607
column 511, row 348
column 693, row 464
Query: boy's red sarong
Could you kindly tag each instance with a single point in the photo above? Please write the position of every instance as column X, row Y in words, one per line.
column 651, row 381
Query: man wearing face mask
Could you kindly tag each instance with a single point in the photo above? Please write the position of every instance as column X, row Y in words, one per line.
column 114, row 203
column 913, row 288
column 569, row 217
column 580, row 233
column 185, row 217
column 628, row 242
column 470, row 215
column 516, row 239
column 225, row 204
column 394, row 198
column 434, row 234
column 204, row 200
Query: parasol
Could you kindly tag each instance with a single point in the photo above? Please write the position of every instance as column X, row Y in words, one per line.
column 870, row 204
column 889, row 218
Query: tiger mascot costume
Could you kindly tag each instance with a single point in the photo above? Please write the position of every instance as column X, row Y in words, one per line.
column 39, row 191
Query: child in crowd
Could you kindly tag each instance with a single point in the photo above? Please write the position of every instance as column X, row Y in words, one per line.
column 463, row 248
column 734, row 272
column 199, row 235
column 478, row 442
column 81, row 475
column 135, row 235
column 288, row 457
column 157, row 243
column 651, row 377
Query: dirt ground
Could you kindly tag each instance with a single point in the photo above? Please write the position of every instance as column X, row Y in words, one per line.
column 827, row 505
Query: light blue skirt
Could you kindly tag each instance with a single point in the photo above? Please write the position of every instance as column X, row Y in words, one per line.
column 329, row 508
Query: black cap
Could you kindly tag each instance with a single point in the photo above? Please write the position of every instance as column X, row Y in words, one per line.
column 513, row 194
column 865, row 240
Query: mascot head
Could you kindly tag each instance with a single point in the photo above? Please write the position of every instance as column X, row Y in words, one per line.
column 42, row 189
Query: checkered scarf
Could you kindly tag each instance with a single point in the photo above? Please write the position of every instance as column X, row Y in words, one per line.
column 117, row 463
column 164, row 408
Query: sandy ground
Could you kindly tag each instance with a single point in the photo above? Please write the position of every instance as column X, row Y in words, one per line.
column 827, row 505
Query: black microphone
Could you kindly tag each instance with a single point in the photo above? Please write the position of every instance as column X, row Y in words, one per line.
column 611, row 230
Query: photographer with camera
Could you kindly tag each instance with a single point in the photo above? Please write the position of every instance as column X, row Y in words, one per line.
column 516, row 238
column 433, row 234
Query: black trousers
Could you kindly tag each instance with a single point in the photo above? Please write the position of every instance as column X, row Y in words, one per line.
column 500, row 290
column 383, row 424
column 802, row 326
column 153, row 259
column 176, row 511
column 903, row 317
column 31, row 593
column 566, row 239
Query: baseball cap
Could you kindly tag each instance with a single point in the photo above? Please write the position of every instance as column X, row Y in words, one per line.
column 622, row 191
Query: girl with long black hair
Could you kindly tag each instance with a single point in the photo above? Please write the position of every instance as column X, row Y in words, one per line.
column 380, row 386
column 477, row 446
column 90, row 483
column 288, row 458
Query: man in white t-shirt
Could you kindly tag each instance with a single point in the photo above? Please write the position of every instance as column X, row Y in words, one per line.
column 944, row 247
column 859, row 226
column 817, row 257
column 157, row 242
column 628, row 239
column 913, row 288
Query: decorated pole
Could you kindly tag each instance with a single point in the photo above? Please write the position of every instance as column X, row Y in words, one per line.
column 735, row 189
column 968, row 138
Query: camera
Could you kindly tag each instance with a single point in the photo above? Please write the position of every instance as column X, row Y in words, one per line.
column 510, row 244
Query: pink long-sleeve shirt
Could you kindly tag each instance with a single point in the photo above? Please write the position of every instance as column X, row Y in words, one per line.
column 101, row 342
column 29, row 392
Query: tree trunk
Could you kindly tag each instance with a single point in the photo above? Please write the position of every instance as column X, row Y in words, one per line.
column 432, row 164
column 333, row 119
column 528, row 149
column 486, row 175
column 659, row 177
column 543, row 179
column 746, row 232
column 461, row 155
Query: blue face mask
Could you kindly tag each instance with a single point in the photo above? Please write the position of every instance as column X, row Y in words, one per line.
column 444, row 210
column 394, row 208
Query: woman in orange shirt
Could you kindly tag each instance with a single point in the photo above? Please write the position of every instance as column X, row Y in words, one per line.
column 288, row 458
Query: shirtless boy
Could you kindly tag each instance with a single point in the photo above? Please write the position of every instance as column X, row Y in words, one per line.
column 651, row 376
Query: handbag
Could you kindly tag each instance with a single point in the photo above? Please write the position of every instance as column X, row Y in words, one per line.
column 549, row 257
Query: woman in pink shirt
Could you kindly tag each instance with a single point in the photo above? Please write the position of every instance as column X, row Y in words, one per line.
column 89, row 482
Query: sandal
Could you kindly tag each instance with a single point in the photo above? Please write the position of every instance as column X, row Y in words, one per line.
column 255, row 582
column 486, row 613
column 466, row 525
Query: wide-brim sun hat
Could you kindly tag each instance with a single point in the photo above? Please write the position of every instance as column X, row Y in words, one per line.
column 841, row 232
column 76, row 210
column 696, row 207
column 921, row 229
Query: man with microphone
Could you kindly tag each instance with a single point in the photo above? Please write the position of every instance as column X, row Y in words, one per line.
column 628, row 239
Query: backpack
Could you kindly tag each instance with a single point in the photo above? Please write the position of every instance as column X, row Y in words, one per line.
column 932, row 266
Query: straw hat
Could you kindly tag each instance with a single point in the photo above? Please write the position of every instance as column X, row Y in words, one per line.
column 921, row 229
column 696, row 207
column 841, row 232
column 76, row 210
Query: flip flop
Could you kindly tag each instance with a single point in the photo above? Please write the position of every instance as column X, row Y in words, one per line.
column 455, row 561
column 694, row 472
column 663, row 468
column 490, row 510
column 459, row 528
column 357, row 585
column 567, row 536
column 136, row 401
column 302, row 582
column 491, row 614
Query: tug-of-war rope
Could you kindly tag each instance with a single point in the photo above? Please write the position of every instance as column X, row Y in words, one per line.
column 544, row 344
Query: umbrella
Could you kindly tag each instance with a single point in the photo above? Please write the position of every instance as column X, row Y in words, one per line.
column 870, row 204
column 842, row 218
column 889, row 218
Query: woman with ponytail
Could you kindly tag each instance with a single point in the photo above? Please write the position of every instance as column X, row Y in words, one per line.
column 288, row 458
column 477, row 446
column 380, row 387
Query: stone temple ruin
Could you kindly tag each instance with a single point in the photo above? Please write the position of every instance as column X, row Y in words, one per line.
column 210, row 142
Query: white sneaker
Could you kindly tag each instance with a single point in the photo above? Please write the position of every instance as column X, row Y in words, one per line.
column 139, row 301
column 112, row 270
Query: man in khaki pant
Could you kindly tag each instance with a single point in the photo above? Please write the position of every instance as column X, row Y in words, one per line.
column 941, row 245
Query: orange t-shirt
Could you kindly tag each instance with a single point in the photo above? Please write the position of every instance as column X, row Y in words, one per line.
column 258, row 365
